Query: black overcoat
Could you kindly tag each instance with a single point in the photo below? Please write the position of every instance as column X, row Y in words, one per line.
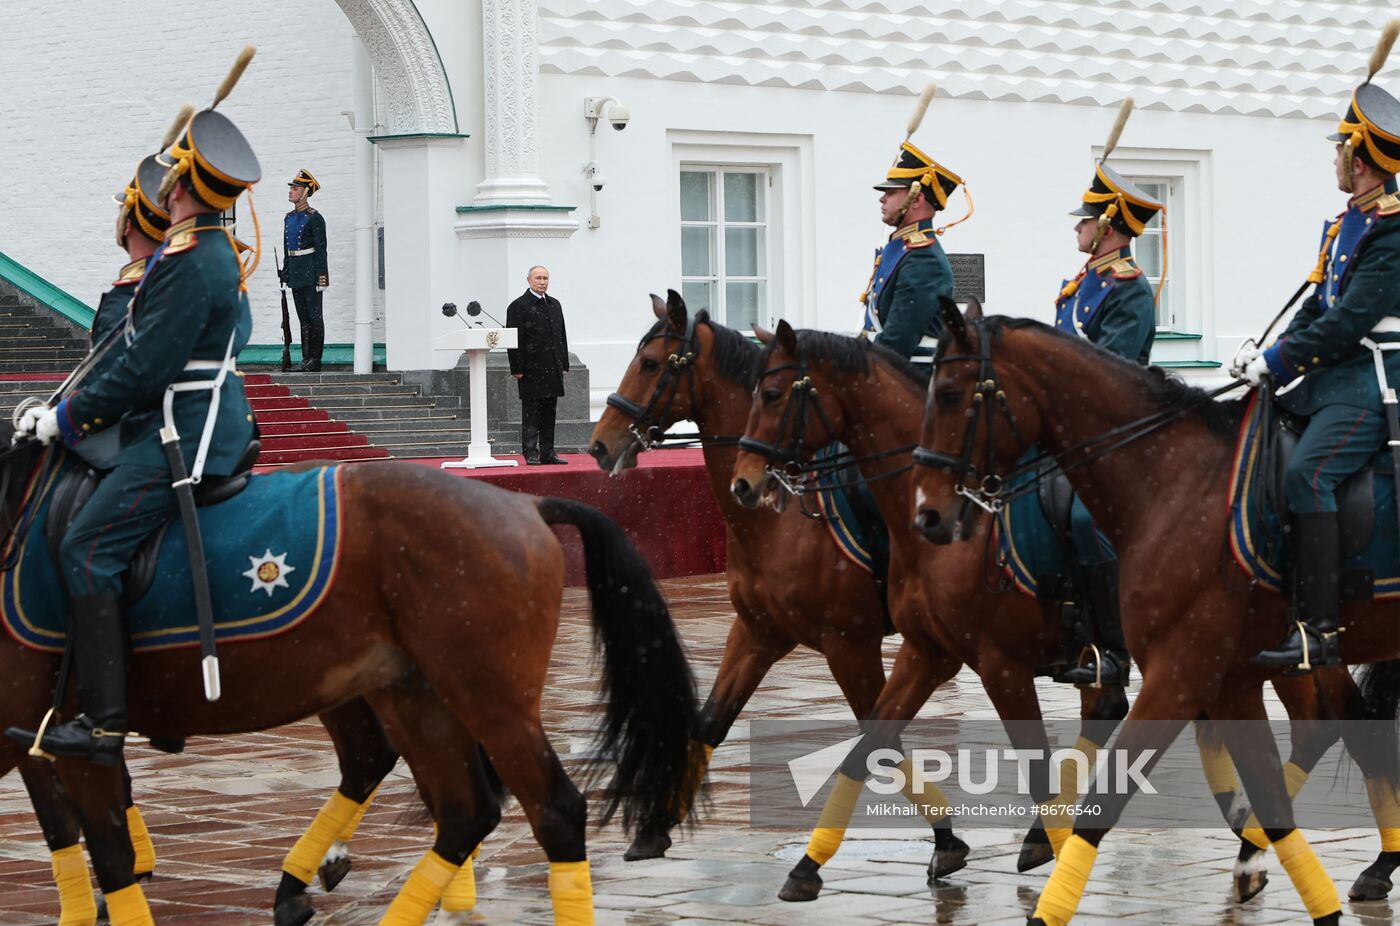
column 542, row 354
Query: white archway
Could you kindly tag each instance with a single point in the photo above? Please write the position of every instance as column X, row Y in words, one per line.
column 406, row 61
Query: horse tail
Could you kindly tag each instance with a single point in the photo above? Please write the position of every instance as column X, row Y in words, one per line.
column 651, row 724
column 1380, row 690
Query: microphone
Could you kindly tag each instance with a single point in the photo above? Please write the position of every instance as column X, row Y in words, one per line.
column 473, row 309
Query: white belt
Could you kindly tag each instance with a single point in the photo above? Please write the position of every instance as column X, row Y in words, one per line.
column 302, row 253
column 214, row 386
column 1388, row 325
column 209, row 365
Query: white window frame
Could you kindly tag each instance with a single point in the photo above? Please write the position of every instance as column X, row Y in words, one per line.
column 1190, row 268
column 719, row 275
column 1169, row 291
column 788, row 159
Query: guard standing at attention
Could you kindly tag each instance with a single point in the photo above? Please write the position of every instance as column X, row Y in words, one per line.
column 911, row 271
column 187, row 321
column 306, row 273
column 1342, row 342
column 1111, row 304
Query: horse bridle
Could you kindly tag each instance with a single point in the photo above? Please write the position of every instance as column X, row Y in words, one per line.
column 645, row 429
column 987, row 396
column 801, row 394
column 992, row 495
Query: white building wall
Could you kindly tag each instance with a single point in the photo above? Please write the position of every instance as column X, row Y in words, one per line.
column 89, row 88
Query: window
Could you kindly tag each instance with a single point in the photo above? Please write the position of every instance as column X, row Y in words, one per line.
column 724, row 243
column 1151, row 248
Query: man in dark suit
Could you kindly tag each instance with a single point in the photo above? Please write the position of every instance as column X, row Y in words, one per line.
column 538, row 365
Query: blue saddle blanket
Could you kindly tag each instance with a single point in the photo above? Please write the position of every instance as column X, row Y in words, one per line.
column 1256, row 531
column 851, row 514
column 1029, row 549
column 271, row 554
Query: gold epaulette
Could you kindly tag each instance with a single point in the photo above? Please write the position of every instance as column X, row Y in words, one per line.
column 131, row 273
column 1389, row 204
column 914, row 236
column 183, row 240
column 1125, row 269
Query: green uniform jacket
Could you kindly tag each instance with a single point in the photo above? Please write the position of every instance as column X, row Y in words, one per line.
column 111, row 308
column 306, row 269
column 906, row 297
column 187, row 309
column 1112, row 306
column 1325, row 344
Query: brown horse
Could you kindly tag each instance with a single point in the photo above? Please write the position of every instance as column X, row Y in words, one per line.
column 872, row 400
column 1151, row 458
column 364, row 755
column 442, row 615
column 687, row 367
column 815, row 388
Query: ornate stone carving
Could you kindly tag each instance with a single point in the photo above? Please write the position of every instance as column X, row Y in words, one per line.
column 406, row 61
column 510, row 65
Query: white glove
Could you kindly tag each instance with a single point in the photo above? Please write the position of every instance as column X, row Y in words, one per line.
column 1247, row 352
column 1255, row 370
column 40, row 421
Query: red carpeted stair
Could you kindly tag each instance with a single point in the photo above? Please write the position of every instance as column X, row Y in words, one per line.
column 293, row 431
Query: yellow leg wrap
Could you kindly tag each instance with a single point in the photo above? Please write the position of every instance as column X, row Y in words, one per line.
column 1069, row 778
column 1054, row 816
column 421, row 892
column 1061, row 896
column 1216, row 763
column 77, row 906
column 128, row 907
column 141, row 842
column 1309, row 877
column 301, row 863
column 1293, row 780
column 926, row 796
column 1385, row 806
column 347, row 832
column 460, row 895
column 831, row 826
column 1255, row 836
column 571, row 891
column 699, row 765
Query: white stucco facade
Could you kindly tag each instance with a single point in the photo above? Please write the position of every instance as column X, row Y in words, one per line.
column 1233, row 102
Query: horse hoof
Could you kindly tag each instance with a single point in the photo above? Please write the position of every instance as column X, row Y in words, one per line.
column 1034, row 853
column 101, row 908
column 801, row 889
column 946, row 861
column 1369, row 887
column 647, row 846
column 294, row 911
column 1331, row 919
column 332, row 872
column 1249, row 884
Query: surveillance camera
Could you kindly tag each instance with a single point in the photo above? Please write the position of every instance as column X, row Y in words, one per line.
column 598, row 181
column 618, row 116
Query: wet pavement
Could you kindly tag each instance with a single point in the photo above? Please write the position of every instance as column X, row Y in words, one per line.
column 225, row 813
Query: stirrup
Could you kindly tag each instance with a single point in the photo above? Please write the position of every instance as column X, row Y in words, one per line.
column 1306, row 665
column 1098, row 667
column 36, row 751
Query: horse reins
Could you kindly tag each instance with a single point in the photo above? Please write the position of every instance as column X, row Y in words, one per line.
column 991, row 495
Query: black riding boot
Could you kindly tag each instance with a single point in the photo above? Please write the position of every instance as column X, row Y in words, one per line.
column 1313, row 640
column 318, row 343
column 1110, row 668
column 99, row 642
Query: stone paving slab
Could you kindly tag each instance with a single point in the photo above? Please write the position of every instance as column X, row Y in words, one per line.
column 225, row 813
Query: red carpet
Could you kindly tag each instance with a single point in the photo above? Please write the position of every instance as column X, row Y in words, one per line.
column 664, row 505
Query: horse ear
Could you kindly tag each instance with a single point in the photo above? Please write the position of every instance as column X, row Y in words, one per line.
column 974, row 309
column 675, row 308
column 787, row 337
column 953, row 319
column 763, row 334
column 658, row 306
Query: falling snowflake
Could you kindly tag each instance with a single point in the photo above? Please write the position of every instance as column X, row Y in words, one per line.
column 269, row 572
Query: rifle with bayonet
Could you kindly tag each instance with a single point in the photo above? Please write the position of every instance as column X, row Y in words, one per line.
column 286, row 319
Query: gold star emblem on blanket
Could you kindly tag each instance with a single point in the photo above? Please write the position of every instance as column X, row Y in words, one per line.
column 269, row 572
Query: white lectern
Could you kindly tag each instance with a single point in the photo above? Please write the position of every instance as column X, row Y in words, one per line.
column 478, row 342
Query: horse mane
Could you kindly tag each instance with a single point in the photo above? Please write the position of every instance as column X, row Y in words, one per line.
column 853, row 355
column 736, row 357
column 1159, row 387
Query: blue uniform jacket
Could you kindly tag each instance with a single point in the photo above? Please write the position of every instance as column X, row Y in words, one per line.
column 1111, row 304
column 305, row 229
column 1360, row 288
column 188, row 306
column 911, row 272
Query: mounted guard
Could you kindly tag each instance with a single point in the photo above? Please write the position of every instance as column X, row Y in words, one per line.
column 1112, row 305
column 168, row 390
column 1343, row 344
column 911, row 271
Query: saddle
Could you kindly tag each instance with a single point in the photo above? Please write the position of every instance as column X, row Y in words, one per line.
column 855, row 518
column 1356, row 508
column 76, row 487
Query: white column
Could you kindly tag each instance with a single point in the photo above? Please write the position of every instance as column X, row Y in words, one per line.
column 364, row 208
column 511, row 71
